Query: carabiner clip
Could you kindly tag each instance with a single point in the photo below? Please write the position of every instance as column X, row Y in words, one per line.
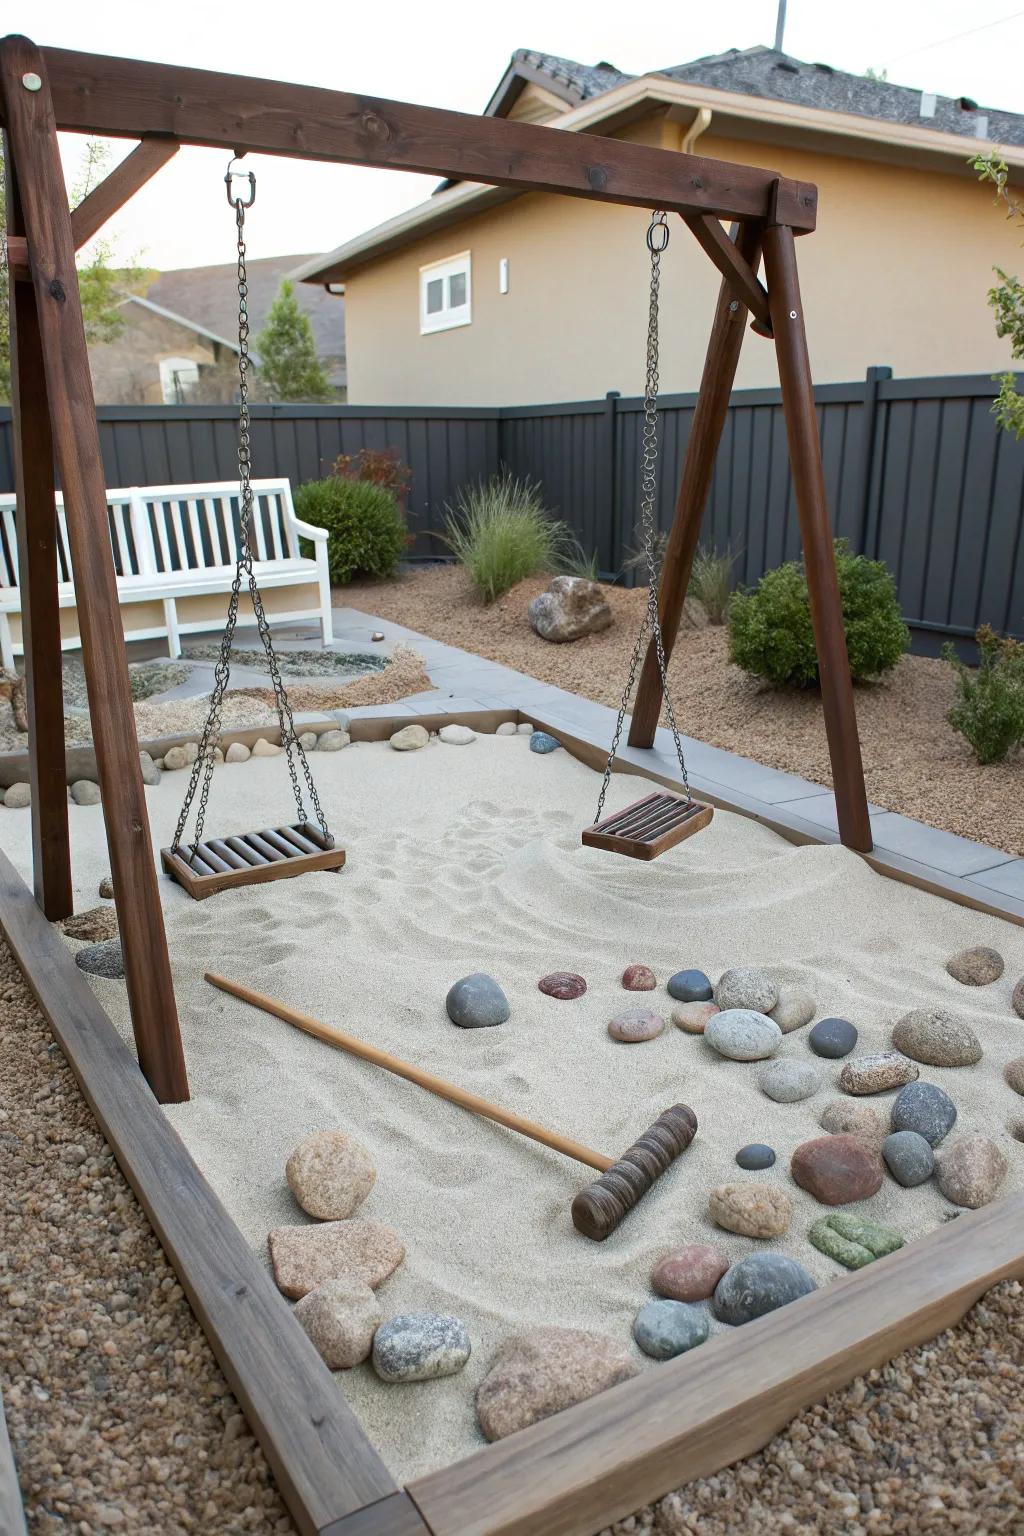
column 656, row 244
column 239, row 202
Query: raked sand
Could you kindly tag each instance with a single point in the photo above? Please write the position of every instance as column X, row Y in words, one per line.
column 469, row 858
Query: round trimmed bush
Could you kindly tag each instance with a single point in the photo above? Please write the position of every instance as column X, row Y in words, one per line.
column 367, row 534
column 770, row 630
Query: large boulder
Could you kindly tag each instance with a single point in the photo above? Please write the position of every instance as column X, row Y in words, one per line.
column 570, row 608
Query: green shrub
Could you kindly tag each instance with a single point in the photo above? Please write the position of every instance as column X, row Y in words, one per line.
column 500, row 532
column 367, row 535
column 770, row 628
column 989, row 708
column 711, row 580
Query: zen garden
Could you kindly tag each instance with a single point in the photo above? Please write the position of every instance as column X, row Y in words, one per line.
column 494, row 1045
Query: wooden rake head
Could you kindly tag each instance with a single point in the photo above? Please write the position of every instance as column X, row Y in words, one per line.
column 598, row 1209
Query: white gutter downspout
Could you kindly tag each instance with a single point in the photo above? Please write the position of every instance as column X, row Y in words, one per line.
column 689, row 136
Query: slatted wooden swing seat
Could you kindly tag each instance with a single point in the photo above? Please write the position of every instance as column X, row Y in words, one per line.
column 252, row 858
column 649, row 826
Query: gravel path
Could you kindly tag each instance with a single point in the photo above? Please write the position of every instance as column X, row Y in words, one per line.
column 913, row 761
column 121, row 1421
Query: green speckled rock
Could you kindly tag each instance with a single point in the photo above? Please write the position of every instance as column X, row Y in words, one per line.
column 853, row 1240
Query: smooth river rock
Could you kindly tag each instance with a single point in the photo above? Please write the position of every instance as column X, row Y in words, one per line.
column 909, row 1158
column 639, row 978
column 689, row 1273
column 741, row 1034
column 329, row 1174
column 848, row 1117
column 794, row 1009
column 937, row 1037
column 264, row 748
column 837, row 1170
column 305, row 1257
column 926, row 1109
column 636, row 1024
column 878, row 1073
column 410, row 738
column 788, row 1081
column 976, row 967
column 832, row 1038
column 103, row 959
column 85, row 792
column 746, row 986
column 334, row 741
column 853, row 1240
column 477, row 1002
column 420, row 1346
column 543, row 742
column 456, row 736
column 760, row 1283
column 664, row 1329
column 1017, row 999
column 970, row 1170
column 693, row 1017
column 751, row 1210
column 562, row 984
column 1013, row 1074
column 755, row 1157
column 18, row 796
column 539, row 1372
column 341, row 1318
column 238, row 752
column 690, row 987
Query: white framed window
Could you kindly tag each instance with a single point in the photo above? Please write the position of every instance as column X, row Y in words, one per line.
column 446, row 298
column 178, row 378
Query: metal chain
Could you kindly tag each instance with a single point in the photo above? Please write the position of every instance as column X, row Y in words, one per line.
column 657, row 240
column 204, row 763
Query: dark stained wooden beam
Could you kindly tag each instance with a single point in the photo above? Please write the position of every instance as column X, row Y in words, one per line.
column 32, row 139
column 38, row 576
column 127, row 98
column 114, row 190
column 738, row 273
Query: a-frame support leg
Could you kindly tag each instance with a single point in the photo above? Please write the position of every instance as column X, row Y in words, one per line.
column 47, row 222
column 37, row 580
column 816, row 536
column 709, row 419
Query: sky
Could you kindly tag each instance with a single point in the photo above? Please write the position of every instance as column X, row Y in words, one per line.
column 453, row 56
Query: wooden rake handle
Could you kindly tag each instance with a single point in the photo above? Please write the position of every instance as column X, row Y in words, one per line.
column 460, row 1096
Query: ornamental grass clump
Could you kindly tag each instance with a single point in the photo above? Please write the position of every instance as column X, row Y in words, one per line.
column 500, row 532
column 989, row 707
column 770, row 629
column 711, row 580
column 367, row 535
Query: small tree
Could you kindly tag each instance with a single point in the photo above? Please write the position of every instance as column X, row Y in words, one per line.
column 1007, row 299
column 289, row 367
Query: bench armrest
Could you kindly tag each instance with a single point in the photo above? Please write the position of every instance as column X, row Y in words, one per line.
column 308, row 531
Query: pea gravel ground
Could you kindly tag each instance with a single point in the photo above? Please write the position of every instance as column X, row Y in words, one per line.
column 913, row 761
column 121, row 1421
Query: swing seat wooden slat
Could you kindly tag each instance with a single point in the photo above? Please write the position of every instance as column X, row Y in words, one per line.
column 649, row 826
column 250, row 858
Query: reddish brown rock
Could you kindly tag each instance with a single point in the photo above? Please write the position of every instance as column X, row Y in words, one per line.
column 543, row 1370
column 564, row 984
column 689, row 1273
column 837, row 1169
column 305, row 1257
column 694, row 1017
column 639, row 978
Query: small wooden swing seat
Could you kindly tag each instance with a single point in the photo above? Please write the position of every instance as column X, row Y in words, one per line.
column 649, row 826
column 277, row 853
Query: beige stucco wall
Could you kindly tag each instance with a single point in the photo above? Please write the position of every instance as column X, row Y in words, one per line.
column 896, row 273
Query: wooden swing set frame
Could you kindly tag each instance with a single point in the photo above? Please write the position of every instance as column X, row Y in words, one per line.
column 596, row 1462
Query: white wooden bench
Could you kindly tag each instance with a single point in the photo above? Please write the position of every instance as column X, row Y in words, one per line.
column 174, row 552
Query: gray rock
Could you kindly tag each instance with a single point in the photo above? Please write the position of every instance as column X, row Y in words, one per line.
column 570, row 608
column 477, row 1002
column 926, row 1109
column 976, row 967
column 175, row 757
column 543, row 742
column 150, row 771
column 308, row 741
column 238, row 752
column 937, row 1037
column 419, row 1346
column 18, row 796
column 107, row 888
column 742, row 1034
column 457, row 735
column 760, row 1283
column 789, row 1081
column 191, row 751
column 85, row 792
column 908, row 1157
column 794, row 1009
column 755, row 1157
column 102, row 959
column 746, row 986
column 832, row 1038
column 333, row 741
column 409, row 739
column 506, row 728
column 690, row 987
column 524, row 728
column 664, row 1329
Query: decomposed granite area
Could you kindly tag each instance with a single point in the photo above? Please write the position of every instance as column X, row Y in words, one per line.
column 466, row 859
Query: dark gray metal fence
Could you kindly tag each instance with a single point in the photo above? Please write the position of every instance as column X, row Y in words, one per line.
column 917, row 475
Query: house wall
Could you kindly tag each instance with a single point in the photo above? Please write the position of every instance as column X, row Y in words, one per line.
column 897, row 273
column 126, row 371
